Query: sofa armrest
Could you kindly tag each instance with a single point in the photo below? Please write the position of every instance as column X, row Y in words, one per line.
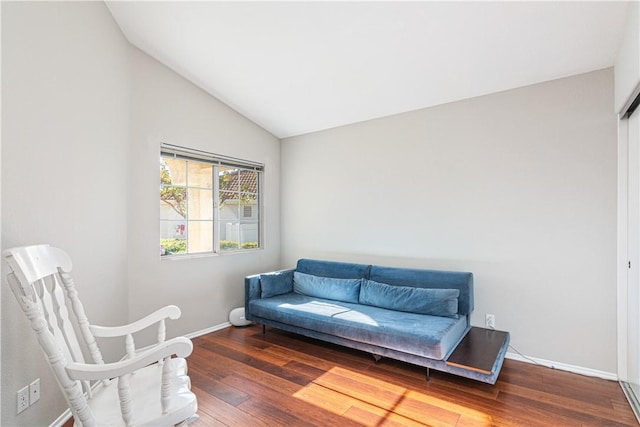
column 252, row 291
column 253, row 288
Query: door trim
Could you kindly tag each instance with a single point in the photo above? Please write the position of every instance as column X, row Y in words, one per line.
column 623, row 255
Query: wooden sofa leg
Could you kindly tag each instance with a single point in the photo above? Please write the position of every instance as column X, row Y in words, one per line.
column 264, row 329
column 428, row 376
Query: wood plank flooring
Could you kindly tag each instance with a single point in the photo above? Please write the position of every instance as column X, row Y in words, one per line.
column 245, row 378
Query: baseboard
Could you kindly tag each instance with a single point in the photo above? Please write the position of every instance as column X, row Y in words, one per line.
column 59, row 422
column 632, row 398
column 208, row 330
column 564, row 367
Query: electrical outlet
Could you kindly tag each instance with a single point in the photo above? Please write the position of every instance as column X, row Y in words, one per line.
column 34, row 391
column 23, row 399
column 490, row 321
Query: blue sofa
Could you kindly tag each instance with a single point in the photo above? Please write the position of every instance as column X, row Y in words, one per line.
column 414, row 315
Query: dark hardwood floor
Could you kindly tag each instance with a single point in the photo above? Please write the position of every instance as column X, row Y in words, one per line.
column 245, row 378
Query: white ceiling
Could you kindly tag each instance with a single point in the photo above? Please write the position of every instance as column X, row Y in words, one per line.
column 299, row 67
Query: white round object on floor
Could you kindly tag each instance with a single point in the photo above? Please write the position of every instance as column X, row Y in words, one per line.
column 236, row 317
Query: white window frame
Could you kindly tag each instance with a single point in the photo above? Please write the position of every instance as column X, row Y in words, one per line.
column 216, row 160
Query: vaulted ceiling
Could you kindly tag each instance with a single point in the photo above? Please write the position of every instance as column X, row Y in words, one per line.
column 299, row 67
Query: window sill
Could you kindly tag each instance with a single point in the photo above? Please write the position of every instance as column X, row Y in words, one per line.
column 207, row 254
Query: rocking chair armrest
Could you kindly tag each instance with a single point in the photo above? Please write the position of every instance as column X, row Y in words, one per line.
column 180, row 346
column 168, row 312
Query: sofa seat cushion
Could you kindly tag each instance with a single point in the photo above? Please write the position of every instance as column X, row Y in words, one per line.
column 419, row 334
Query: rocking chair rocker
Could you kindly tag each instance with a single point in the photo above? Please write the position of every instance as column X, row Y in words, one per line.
column 146, row 388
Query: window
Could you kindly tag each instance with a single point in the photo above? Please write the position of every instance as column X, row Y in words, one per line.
column 208, row 203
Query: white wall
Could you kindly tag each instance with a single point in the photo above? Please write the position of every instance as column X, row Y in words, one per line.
column 83, row 115
column 65, row 139
column 167, row 108
column 1, row 265
column 627, row 66
column 518, row 187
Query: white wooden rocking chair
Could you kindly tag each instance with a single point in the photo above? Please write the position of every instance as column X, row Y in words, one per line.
column 148, row 387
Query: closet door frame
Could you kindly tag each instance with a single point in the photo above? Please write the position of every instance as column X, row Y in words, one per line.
column 628, row 257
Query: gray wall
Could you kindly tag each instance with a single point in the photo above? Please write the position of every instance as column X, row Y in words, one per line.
column 83, row 116
column 167, row 108
column 627, row 66
column 65, row 115
column 518, row 187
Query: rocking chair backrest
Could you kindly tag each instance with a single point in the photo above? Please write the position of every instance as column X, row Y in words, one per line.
column 39, row 279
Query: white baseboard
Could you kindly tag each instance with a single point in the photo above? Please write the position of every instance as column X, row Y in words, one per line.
column 632, row 398
column 563, row 366
column 207, row 330
column 59, row 422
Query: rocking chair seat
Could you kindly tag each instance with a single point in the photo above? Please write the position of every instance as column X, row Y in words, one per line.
column 148, row 412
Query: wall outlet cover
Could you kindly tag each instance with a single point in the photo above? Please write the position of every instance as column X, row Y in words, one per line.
column 34, row 391
column 23, row 399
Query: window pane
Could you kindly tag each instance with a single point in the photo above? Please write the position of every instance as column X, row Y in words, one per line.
column 200, row 236
column 228, row 198
column 248, row 181
column 200, row 174
column 200, row 204
column 228, row 178
column 249, row 235
column 173, row 204
column 248, row 206
column 239, row 235
column 249, row 197
column 229, row 235
column 173, row 237
column 249, row 210
column 173, row 171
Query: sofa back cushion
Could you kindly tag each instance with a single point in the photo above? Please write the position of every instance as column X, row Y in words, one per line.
column 337, row 270
column 435, row 279
column 346, row 290
column 436, row 302
column 276, row 283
